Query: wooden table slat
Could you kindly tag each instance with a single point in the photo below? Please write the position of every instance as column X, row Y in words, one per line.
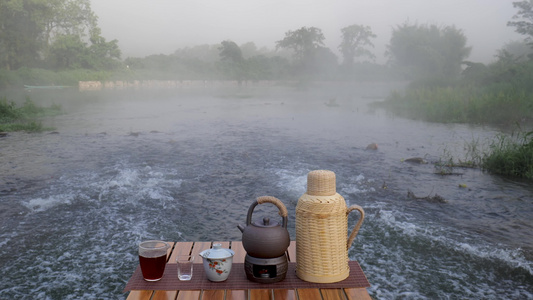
column 182, row 248
column 188, row 295
column 357, row 294
column 285, row 294
column 332, row 294
column 140, row 295
column 240, row 254
column 309, row 294
column 164, row 295
column 213, row 294
column 236, row 294
column 261, row 294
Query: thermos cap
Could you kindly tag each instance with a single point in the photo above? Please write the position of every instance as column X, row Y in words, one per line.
column 321, row 183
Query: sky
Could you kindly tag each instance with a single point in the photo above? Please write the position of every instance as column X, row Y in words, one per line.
column 145, row 27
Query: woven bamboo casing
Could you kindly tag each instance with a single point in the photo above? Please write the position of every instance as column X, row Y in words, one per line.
column 321, row 231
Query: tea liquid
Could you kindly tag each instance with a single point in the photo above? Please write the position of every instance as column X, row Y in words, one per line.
column 153, row 267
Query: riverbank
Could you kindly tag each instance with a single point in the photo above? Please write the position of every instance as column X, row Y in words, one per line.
column 25, row 117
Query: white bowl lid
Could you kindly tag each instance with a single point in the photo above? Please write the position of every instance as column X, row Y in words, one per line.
column 217, row 252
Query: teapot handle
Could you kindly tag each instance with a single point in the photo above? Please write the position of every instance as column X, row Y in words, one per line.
column 268, row 199
column 357, row 226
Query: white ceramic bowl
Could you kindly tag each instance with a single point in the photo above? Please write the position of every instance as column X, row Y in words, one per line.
column 217, row 262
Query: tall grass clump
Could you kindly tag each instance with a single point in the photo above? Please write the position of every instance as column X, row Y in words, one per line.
column 24, row 118
column 511, row 156
column 34, row 76
column 461, row 104
column 500, row 93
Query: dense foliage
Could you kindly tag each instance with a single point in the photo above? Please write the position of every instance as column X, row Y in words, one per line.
column 497, row 93
column 355, row 42
column 511, row 156
column 422, row 51
column 57, row 34
column 24, row 118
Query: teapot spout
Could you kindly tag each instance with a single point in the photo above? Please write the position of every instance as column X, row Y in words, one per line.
column 241, row 228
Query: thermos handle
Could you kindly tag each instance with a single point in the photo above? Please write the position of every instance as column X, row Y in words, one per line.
column 268, row 199
column 357, row 226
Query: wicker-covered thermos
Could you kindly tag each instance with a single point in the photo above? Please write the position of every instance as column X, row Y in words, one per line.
column 322, row 240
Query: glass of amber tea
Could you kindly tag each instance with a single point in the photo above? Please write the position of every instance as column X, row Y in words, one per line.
column 153, row 259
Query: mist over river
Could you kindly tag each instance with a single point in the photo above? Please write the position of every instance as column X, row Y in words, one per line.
column 185, row 165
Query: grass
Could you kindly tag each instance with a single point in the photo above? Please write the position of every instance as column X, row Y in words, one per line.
column 461, row 104
column 511, row 156
column 24, row 118
column 34, row 76
column 505, row 155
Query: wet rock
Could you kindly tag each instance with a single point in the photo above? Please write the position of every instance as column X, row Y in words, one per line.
column 416, row 160
column 3, row 134
column 372, row 146
column 432, row 199
column 332, row 103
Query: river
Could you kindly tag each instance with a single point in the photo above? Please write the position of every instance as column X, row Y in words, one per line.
column 185, row 164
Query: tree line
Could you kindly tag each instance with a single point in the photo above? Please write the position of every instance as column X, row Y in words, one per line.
column 53, row 34
column 414, row 51
column 64, row 35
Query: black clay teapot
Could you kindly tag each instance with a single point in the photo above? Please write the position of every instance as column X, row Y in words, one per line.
column 266, row 239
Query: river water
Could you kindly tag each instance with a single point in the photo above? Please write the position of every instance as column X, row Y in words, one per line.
column 184, row 165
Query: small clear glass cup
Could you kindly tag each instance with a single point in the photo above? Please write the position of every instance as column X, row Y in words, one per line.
column 153, row 259
column 185, row 266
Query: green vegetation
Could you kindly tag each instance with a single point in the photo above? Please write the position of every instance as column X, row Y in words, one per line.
column 506, row 155
column 499, row 93
column 24, row 118
column 54, row 35
column 35, row 76
column 462, row 103
column 428, row 51
column 511, row 156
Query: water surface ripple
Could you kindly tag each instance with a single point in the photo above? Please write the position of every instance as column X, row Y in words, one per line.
column 185, row 165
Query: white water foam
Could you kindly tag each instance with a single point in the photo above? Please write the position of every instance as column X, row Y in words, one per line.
column 357, row 185
column 457, row 241
column 390, row 237
column 43, row 204
column 294, row 180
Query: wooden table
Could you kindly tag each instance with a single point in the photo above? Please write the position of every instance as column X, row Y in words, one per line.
column 195, row 248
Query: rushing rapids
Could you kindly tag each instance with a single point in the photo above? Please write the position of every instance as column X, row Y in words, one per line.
column 184, row 165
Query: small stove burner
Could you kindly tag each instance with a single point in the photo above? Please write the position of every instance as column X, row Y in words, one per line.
column 266, row 270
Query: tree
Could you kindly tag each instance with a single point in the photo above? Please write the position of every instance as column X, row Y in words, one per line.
column 102, row 54
column 310, row 56
column 67, row 17
column 231, row 60
column 303, row 42
column 355, row 39
column 229, row 51
column 65, row 51
column 524, row 18
column 20, row 32
column 37, row 31
column 520, row 51
column 428, row 51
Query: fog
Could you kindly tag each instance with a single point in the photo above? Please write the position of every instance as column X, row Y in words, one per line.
column 145, row 27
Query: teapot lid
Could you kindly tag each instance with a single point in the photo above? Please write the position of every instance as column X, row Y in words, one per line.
column 217, row 252
column 266, row 223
